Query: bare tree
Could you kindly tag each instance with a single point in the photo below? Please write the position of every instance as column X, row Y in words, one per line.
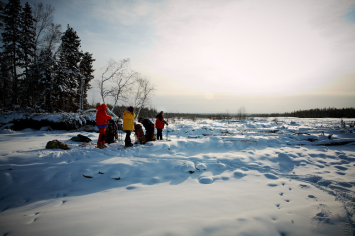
column 241, row 114
column 144, row 90
column 117, row 81
column 47, row 32
column 52, row 37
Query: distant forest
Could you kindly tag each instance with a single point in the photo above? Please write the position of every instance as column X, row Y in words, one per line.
column 319, row 113
column 312, row 113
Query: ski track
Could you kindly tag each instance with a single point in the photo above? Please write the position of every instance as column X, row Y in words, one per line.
column 207, row 152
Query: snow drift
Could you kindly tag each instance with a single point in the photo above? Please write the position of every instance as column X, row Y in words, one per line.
column 255, row 177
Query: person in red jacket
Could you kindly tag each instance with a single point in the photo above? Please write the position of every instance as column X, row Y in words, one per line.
column 101, row 123
column 159, row 124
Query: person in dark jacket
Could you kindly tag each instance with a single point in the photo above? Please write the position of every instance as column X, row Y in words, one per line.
column 111, row 131
column 101, row 122
column 149, row 128
column 159, row 124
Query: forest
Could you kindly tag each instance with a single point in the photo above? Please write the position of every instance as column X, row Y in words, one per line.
column 241, row 114
column 44, row 70
column 330, row 112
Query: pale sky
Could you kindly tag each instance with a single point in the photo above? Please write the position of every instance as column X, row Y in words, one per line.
column 219, row 55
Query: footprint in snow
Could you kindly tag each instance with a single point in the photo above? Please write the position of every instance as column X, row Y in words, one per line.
column 272, row 185
column 201, row 166
column 270, row 176
column 206, row 180
column 32, row 221
column 341, row 167
column 238, row 174
column 131, row 187
column 304, row 186
column 60, row 203
column 345, row 184
column 340, row 173
column 312, row 197
column 189, row 167
column 87, row 173
column 116, row 175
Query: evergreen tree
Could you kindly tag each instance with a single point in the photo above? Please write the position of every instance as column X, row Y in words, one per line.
column 11, row 38
column 70, row 57
column 86, row 71
column 45, row 63
column 2, row 9
column 5, row 83
column 28, row 48
column 61, row 90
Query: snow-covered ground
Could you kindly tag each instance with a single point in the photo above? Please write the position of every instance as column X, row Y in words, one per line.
column 212, row 178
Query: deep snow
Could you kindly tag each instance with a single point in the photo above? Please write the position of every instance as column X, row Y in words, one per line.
column 213, row 178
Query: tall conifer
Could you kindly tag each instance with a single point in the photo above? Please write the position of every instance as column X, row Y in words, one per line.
column 11, row 37
column 86, row 71
column 28, row 49
column 70, row 57
column 46, row 64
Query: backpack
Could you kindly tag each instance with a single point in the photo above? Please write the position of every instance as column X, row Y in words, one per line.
column 111, row 131
column 55, row 144
column 140, row 134
column 81, row 138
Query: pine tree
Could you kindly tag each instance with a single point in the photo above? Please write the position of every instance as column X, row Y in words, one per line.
column 45, row 63
column 5, row 83
column 70, row 57
column 86, row 71
column 28, row 49
column 2, row 9
column 11, row 37
column 61, row 91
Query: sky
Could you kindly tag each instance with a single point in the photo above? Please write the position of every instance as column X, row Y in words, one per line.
column 209, row 56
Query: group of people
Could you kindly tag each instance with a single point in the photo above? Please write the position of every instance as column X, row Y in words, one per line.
column 128, row 125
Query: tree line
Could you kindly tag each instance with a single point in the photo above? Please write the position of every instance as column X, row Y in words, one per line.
column 42, row 69
column 316, row 113
column 241, row 114
column 325, row 112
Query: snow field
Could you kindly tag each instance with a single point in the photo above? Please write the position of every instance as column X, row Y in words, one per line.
column 212, row 178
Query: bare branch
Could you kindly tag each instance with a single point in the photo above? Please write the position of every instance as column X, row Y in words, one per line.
column 144, row 91
column 117, row 81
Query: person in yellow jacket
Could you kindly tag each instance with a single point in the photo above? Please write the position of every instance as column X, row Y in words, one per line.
column 128, row 125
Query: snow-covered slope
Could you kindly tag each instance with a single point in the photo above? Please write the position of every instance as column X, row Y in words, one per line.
column 212, row 178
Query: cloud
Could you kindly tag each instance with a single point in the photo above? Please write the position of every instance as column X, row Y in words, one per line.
column 121, row 12
column 203, row 49
column 241, row 47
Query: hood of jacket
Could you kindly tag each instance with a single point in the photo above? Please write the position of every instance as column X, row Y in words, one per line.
column 101, row 107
